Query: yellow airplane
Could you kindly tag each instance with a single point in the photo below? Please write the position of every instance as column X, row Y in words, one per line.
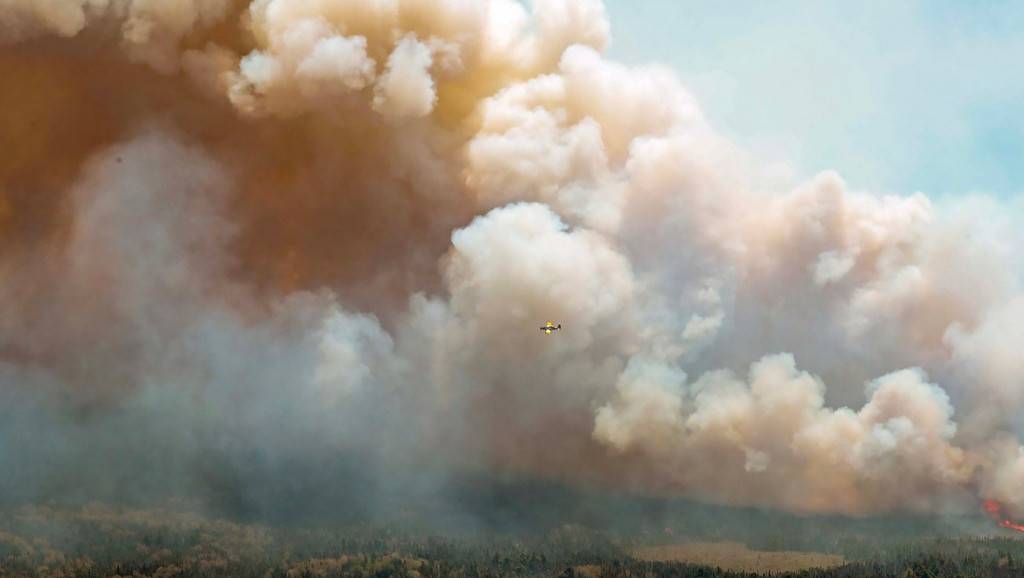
column 550, row 327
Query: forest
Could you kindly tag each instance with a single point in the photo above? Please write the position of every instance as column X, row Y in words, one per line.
column 102, row 540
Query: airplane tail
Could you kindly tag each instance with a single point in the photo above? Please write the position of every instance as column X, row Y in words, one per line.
column 559, row 325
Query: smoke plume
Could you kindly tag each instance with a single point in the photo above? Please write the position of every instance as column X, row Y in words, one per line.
column 279, row 251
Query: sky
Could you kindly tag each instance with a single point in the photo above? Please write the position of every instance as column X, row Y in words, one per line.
column 290, row 257
column 897, row 97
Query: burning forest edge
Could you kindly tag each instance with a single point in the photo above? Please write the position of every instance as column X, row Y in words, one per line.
column 994, row 510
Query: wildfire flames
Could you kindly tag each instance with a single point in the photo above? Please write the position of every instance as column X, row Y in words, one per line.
column 992, row 507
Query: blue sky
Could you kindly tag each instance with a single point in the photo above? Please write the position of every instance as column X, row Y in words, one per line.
column 901, row 96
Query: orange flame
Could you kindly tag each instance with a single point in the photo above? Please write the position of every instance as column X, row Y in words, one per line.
column 992, row 507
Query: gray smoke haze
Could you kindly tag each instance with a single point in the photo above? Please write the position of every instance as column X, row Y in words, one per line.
column 274, row 252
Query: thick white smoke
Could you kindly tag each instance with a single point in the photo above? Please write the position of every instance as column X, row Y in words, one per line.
column 316, row 239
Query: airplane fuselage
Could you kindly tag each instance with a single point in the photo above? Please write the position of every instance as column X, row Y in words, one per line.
column 549, row 328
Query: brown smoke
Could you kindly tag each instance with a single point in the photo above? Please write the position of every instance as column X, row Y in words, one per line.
column 309, row 230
